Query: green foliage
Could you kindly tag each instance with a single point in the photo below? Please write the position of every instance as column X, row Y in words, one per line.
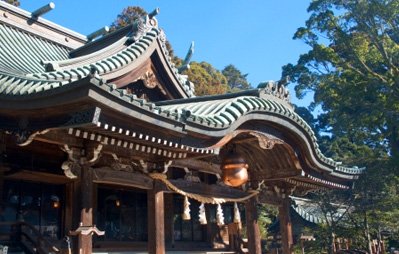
column 13, row 2
column 266, row 215
column 235, row 79
column 353, row 69
column 128, row 16
column 207, row 79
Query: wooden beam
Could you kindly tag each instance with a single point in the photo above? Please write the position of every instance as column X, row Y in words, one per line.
column 122, row 178
column 60, row 137
column 198, row 165
column 156, row 223
column 253, row 233
column 39, row 177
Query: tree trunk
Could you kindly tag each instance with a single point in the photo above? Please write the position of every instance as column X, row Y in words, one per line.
column 367, row 234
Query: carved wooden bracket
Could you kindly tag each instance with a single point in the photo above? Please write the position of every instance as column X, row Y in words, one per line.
column 149, row 79
column 266, row 142
column 78, row 158
column 87, row 230
column 25, row 137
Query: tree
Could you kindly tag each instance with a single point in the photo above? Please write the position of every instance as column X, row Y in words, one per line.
column 128, row 16
column 207, row 79
column 13, row 2
column 353, row 69
column 235, row 79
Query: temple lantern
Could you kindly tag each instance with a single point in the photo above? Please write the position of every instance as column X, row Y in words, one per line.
column 234, row 169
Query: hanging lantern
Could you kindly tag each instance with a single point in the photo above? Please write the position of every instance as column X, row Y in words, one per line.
column 234, row 170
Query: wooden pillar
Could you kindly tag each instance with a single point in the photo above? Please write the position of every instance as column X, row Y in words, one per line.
column 1, row 184
column 86, row 212
column 169, row 220
column 286, row 226
column 253, row 233
column 156, row 224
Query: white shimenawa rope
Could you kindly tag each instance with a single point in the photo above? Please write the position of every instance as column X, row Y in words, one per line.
column 199, row 198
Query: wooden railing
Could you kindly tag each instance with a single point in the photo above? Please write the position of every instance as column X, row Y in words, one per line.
column 26, row 234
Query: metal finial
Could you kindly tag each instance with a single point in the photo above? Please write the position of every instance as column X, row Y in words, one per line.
column 43, row 10
column 186, row 63
column 98, row 33
column 153, row 13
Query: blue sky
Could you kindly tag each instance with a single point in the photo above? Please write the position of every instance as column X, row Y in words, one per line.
column 254, row 35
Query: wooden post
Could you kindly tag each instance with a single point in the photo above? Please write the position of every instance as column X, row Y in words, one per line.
column 253, row 233
column 286, row 226
column 86, row 212
column 156, row 224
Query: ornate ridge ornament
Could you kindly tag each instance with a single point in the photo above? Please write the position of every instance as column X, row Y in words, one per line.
column 144, row 24
column 277, row 89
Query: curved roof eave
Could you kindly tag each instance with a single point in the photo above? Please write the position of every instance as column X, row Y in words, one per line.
column 224, row 116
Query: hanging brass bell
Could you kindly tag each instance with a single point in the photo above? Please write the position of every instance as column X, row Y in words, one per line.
column 234, row 170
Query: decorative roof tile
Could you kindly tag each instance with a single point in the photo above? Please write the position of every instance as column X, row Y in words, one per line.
column 22, row 52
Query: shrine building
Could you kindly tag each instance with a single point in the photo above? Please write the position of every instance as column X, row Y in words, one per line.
column 104, row 147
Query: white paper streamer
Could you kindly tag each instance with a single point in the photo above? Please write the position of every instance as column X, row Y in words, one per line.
column 202, row 215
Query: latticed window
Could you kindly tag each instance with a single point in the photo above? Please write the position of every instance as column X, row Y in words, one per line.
column 122, row 214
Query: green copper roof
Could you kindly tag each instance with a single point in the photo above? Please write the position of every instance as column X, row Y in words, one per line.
column 312, row 212
column 218, row 113
column 37, row 58
column 222, row 113
column 22, row 52
column 103, row 64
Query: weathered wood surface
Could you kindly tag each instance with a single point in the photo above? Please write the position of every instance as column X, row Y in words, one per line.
column 286, row 227
column 253, row 233
column 86, row 213
column 39, row 177
column 199, row 165
column 156, row 223
column 131, row 179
